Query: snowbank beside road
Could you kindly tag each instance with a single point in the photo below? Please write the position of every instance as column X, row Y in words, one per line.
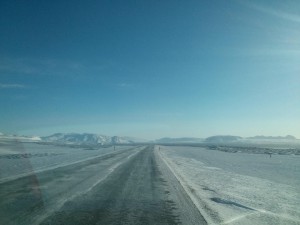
column 226, row 195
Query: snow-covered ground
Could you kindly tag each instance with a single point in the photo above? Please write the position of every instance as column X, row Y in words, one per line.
column 238, row 188
column 19, row 158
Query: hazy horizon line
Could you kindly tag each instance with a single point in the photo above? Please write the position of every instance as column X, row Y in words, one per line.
column 161, row 137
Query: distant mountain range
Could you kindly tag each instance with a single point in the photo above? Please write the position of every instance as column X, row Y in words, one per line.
column 74, row 138
column 223, row 138
column 230, row 138
column 88, row 138
column 96, row 139
column 179, row 140
column 22, row 138
column 287, row 137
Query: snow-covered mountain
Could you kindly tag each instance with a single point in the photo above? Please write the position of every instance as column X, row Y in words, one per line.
column 88, row 138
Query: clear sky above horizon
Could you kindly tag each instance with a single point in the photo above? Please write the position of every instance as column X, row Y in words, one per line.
column 150, row 68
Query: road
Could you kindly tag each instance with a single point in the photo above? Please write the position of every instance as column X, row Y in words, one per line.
column 129, row 187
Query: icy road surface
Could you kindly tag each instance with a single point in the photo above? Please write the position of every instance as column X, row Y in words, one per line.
column 238, row 188
column 128, row 186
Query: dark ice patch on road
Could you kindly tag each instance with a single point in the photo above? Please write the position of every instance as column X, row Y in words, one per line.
column 227, row 202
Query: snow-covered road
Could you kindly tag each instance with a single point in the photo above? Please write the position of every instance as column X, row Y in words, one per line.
column 129, row 186
column 31, row 198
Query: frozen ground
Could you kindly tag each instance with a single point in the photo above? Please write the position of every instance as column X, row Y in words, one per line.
column 20, row 158
column 238, row 188
column 57, row 184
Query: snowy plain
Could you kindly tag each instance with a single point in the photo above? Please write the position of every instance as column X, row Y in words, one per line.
column 238, row 188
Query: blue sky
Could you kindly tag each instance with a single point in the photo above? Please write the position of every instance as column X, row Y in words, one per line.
column 150, row 68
